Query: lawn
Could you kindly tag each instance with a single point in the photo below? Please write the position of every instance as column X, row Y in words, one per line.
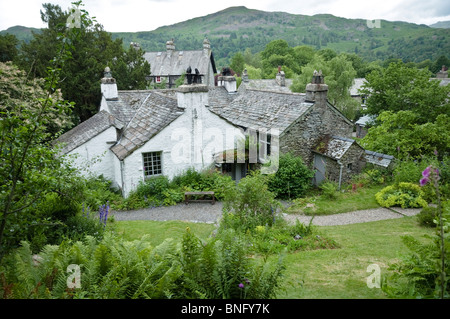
column 314, row 204
column 319, row 274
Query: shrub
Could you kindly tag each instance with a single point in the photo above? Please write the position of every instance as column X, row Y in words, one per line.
column 292, row 179
column 427, row 216
column 329, row 190
column 249, row 204
column 406, row 195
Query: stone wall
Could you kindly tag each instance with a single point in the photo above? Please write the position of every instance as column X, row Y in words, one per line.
column 354, row 156
column 305, row 133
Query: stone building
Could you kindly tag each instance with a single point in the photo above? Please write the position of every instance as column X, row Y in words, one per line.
column 337, row 159
column 167, row 66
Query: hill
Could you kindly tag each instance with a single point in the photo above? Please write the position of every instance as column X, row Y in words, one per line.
column 441, row 24
column 237, row 28
column 22, row 33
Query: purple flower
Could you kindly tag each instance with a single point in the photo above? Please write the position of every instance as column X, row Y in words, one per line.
column 423, row 181
column 426, row 172
column 241, row 285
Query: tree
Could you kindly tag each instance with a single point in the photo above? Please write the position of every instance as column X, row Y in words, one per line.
column 237, row 63
column 278, row 53
column 401, row 88
column 131, row 69
column 8, row 47
column 403, row 135
column 94, row 50
column 338, row 75
column 30, row 166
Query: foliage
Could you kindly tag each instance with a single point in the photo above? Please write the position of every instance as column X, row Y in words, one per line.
column 405, row 195
column 329, row 189
column 250, row 204
column 424, row 274
column 112, row 268
column 401, row 88
column 222, row 269
column 159, row 190
column 427, row 216
column 8, row 47
column 93, row 50
column 338, row 74
column 401, row 135
column 29, row 168
column 292, row 178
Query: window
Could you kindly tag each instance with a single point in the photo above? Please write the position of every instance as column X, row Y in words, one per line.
column 158, row 79
column 349, row 166
column 152, row 164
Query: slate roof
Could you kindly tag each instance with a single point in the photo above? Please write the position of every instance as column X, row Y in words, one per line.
column 87, row 130
column 378, row 158
column 268, row 85
column 357, row 84
column 154, row 111
column 256, row 109
column 334, row 146
column 163, row 64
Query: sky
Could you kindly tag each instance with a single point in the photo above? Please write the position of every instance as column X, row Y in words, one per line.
column 147, row 15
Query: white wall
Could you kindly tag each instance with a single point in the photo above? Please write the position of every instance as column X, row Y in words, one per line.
column 94, row 156
column 189, row 141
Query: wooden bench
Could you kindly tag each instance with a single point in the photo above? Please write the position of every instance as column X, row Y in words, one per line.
column 187, row 196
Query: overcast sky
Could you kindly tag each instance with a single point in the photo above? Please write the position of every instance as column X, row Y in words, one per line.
column 147, row 15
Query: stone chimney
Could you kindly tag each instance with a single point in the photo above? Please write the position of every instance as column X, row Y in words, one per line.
column 192, row 96
column 206, row 47
column 170, row 47
column 245, row 76
column 108, row 86
column 227, row 80
column 280, row 77
column 317, row 90
column 443, row 73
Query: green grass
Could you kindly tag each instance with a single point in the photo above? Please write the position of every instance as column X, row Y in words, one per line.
column 158, row 231
column 362, row 198
column 342, row 273
column 319, row 274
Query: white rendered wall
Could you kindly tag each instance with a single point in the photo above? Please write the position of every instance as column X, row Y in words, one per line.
column 187, row 142
column 94, row 156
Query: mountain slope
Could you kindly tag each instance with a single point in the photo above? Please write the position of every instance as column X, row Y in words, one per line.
column 237, row 28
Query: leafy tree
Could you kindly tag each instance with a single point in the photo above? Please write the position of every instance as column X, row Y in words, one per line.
column 400, row 88
column 338, row 75
column 402, row 134
column 31, row 112
column 94, row 50
column 8, row 47
column 131, row 69
column 437, row 65
column 278, row 53
column 237, row 63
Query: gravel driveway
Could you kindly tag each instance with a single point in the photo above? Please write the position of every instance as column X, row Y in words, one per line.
column 208, row 213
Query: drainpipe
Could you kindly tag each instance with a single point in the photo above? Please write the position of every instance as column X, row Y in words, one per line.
column 340, row 173
column 121, row 177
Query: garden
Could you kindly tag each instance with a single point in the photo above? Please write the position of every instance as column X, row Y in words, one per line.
column 253, row 253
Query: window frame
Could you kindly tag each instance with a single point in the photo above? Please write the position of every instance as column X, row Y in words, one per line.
column 152, row 163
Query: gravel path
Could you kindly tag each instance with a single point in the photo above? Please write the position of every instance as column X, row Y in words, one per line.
column 208, row 213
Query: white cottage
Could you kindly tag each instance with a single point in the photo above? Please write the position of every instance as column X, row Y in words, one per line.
column 140, row 134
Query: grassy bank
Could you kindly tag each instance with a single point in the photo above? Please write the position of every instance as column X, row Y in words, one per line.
column 319, row 274
column 314, row 204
